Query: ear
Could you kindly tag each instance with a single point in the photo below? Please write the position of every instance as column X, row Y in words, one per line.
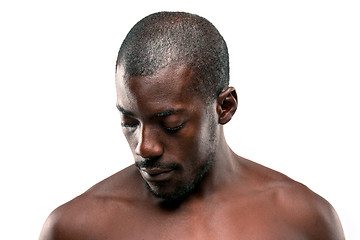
column 226, row 105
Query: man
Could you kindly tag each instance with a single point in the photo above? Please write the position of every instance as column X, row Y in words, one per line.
column 172, row 76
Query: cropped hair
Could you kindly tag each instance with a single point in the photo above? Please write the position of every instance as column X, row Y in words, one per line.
column 166, row 38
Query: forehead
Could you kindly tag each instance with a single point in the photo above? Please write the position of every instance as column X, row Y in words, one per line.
column 171, row 87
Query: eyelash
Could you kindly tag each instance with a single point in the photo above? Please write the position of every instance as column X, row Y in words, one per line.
column 174, row 129
column 129, row 125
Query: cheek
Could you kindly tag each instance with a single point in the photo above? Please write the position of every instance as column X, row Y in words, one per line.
column 205, row 140
column 194, row 145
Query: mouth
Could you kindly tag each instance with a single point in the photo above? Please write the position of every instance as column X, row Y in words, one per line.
column 157, row 174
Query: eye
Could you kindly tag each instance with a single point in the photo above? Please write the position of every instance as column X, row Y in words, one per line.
column 129, row 125
column 129, row 122
column 174, row 129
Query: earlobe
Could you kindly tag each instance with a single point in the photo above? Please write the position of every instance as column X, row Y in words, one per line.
column 226, row 105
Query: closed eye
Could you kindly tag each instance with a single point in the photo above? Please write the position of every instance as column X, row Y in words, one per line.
column 173, row 129
column 131, row 125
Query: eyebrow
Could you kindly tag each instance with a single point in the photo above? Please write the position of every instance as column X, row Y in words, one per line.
column 167, row 113
column 163, row 114
column 123, row 111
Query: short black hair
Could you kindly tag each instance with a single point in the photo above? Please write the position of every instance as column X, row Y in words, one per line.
column 165, row 38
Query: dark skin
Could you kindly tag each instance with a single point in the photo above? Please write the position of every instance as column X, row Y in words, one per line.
column 168, row 124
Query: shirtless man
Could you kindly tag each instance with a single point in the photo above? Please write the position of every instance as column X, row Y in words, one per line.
column 172, row 76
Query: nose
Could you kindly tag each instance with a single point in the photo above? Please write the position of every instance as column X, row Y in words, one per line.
column 148, row 145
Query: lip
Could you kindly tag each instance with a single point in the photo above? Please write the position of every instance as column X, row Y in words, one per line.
column 157, row 174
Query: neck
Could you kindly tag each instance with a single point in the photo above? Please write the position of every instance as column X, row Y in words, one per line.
column 223, row 171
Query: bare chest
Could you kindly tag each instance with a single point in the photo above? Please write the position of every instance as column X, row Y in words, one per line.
column 214, row 222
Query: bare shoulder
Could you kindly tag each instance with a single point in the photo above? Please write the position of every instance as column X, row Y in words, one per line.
column 296, row 204
column 308, row 211
column 88, row 214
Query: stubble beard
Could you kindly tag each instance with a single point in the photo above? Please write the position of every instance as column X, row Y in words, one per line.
column 185, row 190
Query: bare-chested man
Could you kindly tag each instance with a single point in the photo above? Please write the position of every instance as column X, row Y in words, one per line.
column 173, row 94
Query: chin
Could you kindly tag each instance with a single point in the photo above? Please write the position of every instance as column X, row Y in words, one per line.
column 182, row 190
column 177, row 195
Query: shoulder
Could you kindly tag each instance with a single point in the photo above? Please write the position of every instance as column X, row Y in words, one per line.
column 309, row 212
column 302, row 208
column 294, row 203
column 65, row 221
column 89, row 213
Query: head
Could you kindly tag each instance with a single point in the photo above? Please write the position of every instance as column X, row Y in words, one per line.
column 172, row 92
column 166, row 38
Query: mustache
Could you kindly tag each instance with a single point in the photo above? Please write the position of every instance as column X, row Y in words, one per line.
column 155, row 164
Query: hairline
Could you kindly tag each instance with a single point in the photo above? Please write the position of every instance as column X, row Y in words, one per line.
column 207, row 99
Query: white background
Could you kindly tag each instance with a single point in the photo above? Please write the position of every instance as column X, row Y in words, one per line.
column 295, row 64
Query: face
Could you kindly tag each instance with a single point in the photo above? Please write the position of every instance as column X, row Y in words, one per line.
column 171, row 132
